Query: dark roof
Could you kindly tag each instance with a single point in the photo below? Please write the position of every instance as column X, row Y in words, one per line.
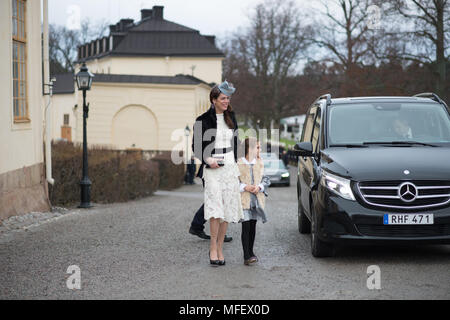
column 64, row 83
column 160, row 25
column 166, row 44
column 155, row 36
column 124, row 78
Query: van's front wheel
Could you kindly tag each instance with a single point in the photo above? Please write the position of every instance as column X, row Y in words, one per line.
column 319, row 248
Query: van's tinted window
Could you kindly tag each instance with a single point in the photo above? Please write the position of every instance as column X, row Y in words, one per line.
column 309, row 125
column 387, row 122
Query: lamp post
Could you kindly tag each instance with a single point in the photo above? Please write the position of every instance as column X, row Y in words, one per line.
column 84, row 82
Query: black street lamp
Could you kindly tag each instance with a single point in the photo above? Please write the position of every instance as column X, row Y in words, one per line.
column 84, row 82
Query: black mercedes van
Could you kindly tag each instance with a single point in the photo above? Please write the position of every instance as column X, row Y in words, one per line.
column 374, row 170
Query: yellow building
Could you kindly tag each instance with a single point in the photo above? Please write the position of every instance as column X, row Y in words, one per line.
column 152, row 78
column 22, row 106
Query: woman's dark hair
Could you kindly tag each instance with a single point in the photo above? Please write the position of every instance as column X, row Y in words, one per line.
column 213, row 95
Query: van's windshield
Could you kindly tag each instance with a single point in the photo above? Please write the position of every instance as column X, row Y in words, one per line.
column 366, row 123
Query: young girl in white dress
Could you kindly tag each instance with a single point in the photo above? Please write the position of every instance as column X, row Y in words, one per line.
column 253, row 189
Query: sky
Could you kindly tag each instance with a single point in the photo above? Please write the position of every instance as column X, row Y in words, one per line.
column 210, row 17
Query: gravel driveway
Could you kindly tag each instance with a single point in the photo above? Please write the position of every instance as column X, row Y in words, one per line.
column 142, row 250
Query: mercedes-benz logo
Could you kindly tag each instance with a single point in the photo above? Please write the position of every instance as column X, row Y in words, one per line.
column 407, row 192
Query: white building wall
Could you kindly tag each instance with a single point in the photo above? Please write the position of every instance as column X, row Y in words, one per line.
column 63, row 104
column 21, row 143
column 173, row 107
column 22, row 179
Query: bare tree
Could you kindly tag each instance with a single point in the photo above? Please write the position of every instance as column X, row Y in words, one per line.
column 63, row 47
column 63, row 43
column 343, row 32
column 266, row 54
column 428, row 36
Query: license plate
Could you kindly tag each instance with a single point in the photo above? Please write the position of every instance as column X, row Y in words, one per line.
column 410, row 218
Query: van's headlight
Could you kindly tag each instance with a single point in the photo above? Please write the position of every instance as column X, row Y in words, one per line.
column 285, row 175
column 338, row 185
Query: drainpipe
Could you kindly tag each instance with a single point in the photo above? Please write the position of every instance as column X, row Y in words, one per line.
column 48, row 138
column 48, row 110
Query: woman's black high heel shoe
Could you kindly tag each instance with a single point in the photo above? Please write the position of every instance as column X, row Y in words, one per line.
column 221, row 262
column 213, row 262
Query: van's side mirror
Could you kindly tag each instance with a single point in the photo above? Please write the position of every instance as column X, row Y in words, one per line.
column 304, row 149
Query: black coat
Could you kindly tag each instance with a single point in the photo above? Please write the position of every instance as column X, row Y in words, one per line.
column 203, row 139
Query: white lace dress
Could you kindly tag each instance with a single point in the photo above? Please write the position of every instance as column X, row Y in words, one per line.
column 222, row 194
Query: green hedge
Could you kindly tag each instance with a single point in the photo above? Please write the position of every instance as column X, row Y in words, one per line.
column 171, row 175
column 117, row 176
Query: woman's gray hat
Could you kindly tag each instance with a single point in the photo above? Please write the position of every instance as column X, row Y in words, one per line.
column 226, row 88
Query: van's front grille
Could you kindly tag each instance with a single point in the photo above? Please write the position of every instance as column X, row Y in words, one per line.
column 410, row 195
column 406, row 231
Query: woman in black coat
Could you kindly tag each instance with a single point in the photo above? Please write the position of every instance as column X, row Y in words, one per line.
column 215, row 143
